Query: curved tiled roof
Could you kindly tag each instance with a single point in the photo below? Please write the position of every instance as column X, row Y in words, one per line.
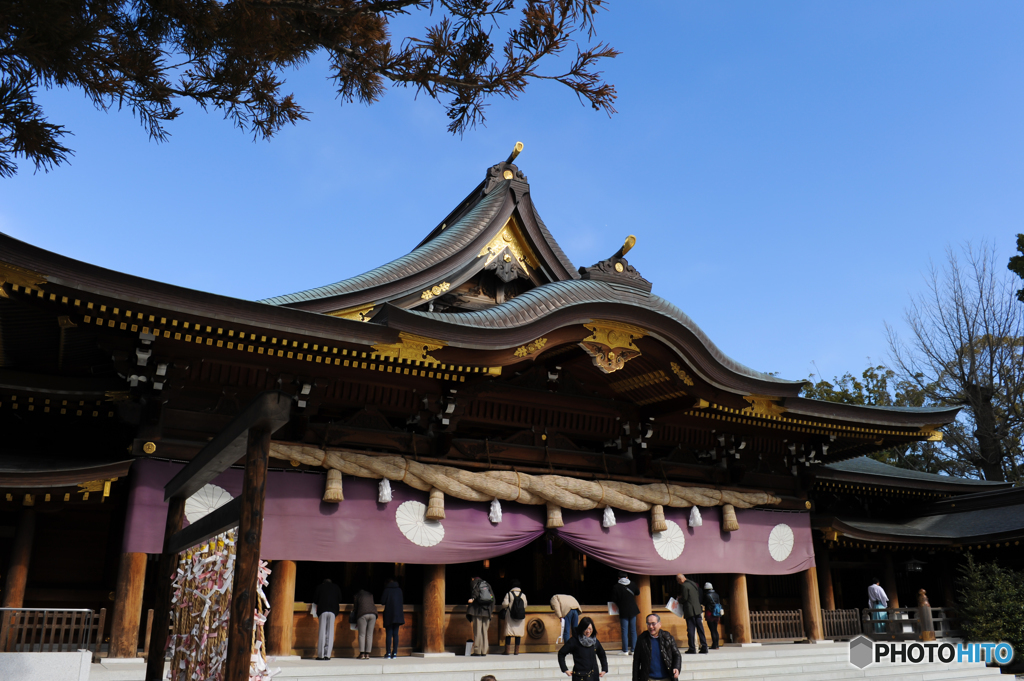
column 867, row 466
column 543, row 300
column 445, row 245
column 555, row 248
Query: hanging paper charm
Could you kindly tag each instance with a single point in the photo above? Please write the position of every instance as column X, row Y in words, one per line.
column 609, row 517
column 495, row 514
column 384, row 491
column 695, row 519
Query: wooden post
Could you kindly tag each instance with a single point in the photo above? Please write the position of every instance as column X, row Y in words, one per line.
column 739, row 617
column 280, row 624
column 433, row 609
column 162, row 607
column 247, row 556
column 824, row 564
column 811, row 605
column 124, row 629
column 21, row 555
column 643, row 601
column 889, row 581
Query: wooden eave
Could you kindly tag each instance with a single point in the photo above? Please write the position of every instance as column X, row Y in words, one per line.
column 862, row 480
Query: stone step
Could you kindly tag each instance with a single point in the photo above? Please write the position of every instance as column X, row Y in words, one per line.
column 789, row 662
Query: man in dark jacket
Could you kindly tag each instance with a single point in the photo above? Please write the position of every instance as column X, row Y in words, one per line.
column 481, row 606
column 689, row 599
column 327, row 599
column 656, row 655
column 394, row 617
column 624, row 597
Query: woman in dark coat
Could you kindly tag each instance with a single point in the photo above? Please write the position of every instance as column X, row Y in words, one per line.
column 394, row 617
column 585, row 650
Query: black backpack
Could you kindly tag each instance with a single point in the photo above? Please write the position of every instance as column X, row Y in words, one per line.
column 518, row 609
column 486, row 596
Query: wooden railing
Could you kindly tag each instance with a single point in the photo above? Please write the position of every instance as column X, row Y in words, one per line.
column 46, row 630
column 947, row 623
column 892, row 624
column 777, row 625
column 841, row 624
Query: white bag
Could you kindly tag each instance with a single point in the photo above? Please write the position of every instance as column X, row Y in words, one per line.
column 674, row 607
column 612, row 608
column 469, row 648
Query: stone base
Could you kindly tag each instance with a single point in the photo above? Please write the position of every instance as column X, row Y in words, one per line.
column 445, row 654
column 108, row 661
column 749, row 645
column 824, row 640
column 46, row 666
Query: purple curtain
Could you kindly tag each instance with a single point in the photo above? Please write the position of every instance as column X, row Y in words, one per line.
column 299, row 526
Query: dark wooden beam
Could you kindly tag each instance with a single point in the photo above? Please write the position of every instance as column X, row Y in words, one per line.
column 247, row 555
column 269, row 411
column 162, row 607
column 210, row 525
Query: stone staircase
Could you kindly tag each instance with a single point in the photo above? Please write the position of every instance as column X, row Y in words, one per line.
column 782, row 662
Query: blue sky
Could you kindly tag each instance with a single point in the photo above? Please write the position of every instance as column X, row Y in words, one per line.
column 789, row 170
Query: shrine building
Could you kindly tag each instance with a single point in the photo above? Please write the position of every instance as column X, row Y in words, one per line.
column 478, row 407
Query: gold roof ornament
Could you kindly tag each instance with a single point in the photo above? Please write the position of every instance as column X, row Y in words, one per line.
column 410, row 348
column 610, row 344
column 516, row 150
column 764, row 405
column 18, row 276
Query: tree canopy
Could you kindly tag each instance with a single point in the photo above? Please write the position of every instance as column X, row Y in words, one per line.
column 150, row 56
column 879, row 386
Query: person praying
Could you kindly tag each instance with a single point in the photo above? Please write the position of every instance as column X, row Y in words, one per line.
column 326, row 605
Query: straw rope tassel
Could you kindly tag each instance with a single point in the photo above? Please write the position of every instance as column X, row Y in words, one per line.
column 658, row 519
column 554, row 516
column 333, row 492
column 435, row 505
column 729, row 523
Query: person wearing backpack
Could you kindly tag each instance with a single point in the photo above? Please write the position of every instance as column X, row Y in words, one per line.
column 481, row 606
column 514, row 625
column 712, row 612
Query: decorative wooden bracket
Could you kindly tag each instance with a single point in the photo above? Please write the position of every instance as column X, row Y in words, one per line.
column 610, row 344
column 410, row 348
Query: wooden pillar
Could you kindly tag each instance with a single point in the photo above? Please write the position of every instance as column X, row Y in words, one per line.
column 949, row 572
column 433, row 609
column 247, row 556
column 889, row 581
column 739, row 617
column 824, row 565
column 643, row 601
column 17, row 572
column 124, row 629
column 162, row 607
column 811, row 605
column 281, row 622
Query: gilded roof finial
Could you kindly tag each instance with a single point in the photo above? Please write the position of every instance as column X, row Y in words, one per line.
column 515, row 152
column 630, row 242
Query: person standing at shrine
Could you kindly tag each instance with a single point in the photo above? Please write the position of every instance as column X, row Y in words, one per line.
column 656, row 657
column 481, row 607
column 364, row 615
column 326, row 605
column 514, row 607
column 877, row 599
column 394, row 617
column 568, row 610
column 689, row 599
column 624, row 597
column 712, row 612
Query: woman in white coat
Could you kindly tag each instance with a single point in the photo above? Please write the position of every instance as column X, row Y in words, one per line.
column 512, row 626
